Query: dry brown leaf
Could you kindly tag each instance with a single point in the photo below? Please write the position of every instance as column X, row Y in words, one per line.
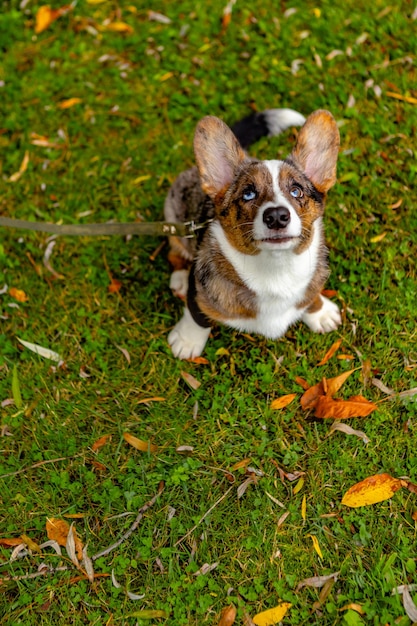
column 45, row 16
column 310, row 398
column 228, row 616
column 282, row 519
column 372, row 490
column 317, row 581
column 348, row 430
column 283, row 401
column 357, row 406
column 189, row 378
column 18, row 294
column 70, row 102
column 302, row 382
column 139, row 444
column 100, row 442
column 58, row 529
column 333, row 349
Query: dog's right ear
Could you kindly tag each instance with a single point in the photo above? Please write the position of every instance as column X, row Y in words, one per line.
column 218, row 155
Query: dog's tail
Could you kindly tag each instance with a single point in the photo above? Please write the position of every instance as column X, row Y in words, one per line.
column 267, row 123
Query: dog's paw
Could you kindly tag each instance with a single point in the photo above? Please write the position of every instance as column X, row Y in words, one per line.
column 179, row 283
column 324, row 320
column 187, row 339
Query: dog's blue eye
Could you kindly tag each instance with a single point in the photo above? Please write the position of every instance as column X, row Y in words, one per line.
column 248, row 195
column 296, row 192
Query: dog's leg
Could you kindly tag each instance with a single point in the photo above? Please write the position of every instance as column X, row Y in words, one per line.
column 323, row 317
column 178, row 283
column 187, row 339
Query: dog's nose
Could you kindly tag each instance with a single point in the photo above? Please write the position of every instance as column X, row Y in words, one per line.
column 276, row 217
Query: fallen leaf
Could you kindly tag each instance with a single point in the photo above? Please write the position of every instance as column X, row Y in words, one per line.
column 345, row 357
column 372, row 490
column 45, row 16
column 46, row 353
column 100, row 442
column 333, row 349
column 299, row 485
column 58, row 530
column 378, row 238
column 32, row 545
column 282, row 519
column 124, row 352
column 304, row 507
column 139, row 444
column 240, row 464
column 414, row 516
column 119, row 27
column 70, row 102
column 316, row 545
column 205, row 569
column 283, row 401
column 353, row 606
column 317, row 581
column 22, row 169
column 97, row 466
column 189, row 378
column 18, row 294
column 409, row 606
column 115, row 285
column 271, row 497
column 310, row 398
column 334, row 384
column 272, row 616
column 227, row 616
column 396, row 205
column 153, row 399
column 380, row 385
column 154, row 16
column 199, row 360
column 135, row 596
column 10, row 543
column 357, row 406
column 348, row 430
column 302, row 382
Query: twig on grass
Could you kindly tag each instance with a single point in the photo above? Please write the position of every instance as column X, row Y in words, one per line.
column 133, row 527
column 204, row 516
column 39, row 463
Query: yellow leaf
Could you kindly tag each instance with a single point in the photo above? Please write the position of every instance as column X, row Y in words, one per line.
column 372, row 490
column 378, row 238
column 299, row 485
column 32, row 545
column 304, row 507
column 45, row 16
column 70, row 102
column 119, row 27
column 399, row 96
column 141, row 179
column 139, row 444
column 316, row 545
column 23, row 167
column 272, row 616
column 353, row 606
column 317, row 12
column 283, row 401
column 166, row 76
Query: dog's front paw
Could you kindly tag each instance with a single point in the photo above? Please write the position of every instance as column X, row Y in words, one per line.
column 179, row 283
column 187, row 339
column 324, row 320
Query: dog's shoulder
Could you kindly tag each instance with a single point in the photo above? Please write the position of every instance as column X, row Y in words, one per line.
column 186, row 200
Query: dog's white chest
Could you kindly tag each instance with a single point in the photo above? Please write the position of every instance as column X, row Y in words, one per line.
column 279, row 279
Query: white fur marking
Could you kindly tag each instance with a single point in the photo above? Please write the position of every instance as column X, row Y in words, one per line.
column 178, row 283
column 278, row 277
column 187, row 339
column 325, row 319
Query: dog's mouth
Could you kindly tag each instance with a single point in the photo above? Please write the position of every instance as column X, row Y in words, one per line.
column 276, row 240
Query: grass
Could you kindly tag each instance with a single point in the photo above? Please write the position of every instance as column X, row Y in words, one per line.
column 114, row 154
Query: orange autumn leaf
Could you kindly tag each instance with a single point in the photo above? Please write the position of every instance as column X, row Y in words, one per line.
column 119, row 27
column 191, row 380
column 11, row 543
column 372, row 490
column 332, row 350
column 139, row 444
column 45, row 16
column 58, row 529
column 283, row 401
column 302, row 382
column 310, row 398
column 330, row 408
column 334, row 384
column 115, row 286
column 100, row 442
column 199, row 360
column 70, row 102
column 18, row 294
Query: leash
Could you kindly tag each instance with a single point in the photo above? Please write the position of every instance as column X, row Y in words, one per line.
column 159, row 229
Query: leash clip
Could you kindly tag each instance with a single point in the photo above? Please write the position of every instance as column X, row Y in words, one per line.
column 192, row 228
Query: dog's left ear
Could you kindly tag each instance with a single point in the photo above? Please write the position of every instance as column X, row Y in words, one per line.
column 218, row 155
column 317, row 149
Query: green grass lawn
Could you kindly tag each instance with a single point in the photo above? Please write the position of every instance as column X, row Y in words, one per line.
column 112, row 155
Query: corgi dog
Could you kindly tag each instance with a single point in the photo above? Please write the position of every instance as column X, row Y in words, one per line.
column 261, row 263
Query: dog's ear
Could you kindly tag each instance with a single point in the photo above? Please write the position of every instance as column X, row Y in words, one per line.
column 317, row 149
column 218, row 155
